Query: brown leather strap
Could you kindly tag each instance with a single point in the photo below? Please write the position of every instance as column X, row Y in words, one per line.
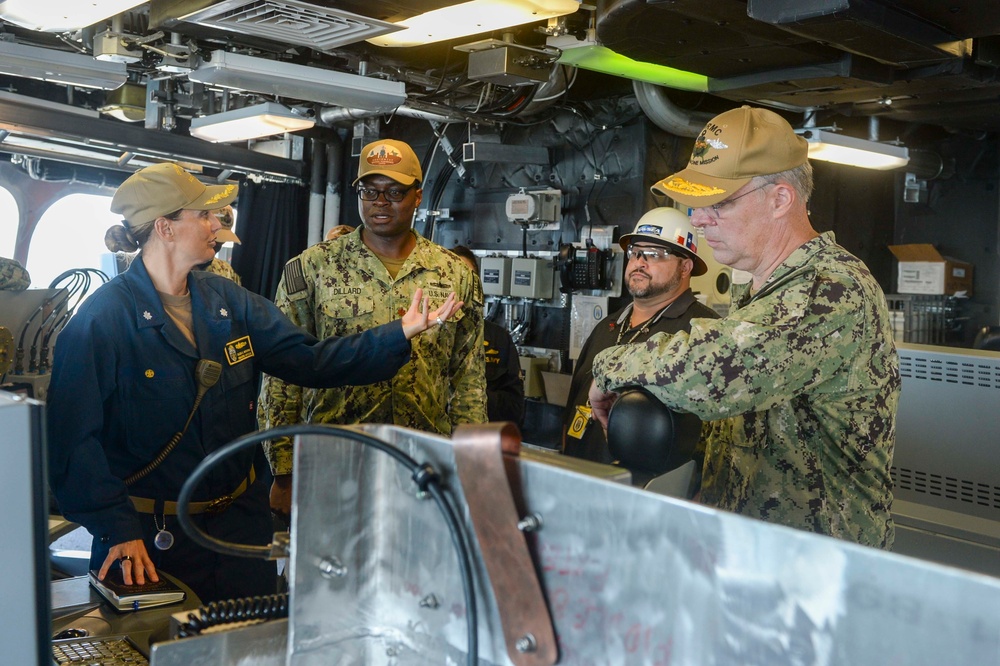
column 143, row 505
column 479, row 457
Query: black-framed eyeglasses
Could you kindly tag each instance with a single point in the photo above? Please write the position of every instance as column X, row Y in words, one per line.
column 717, row 208
column 650, row 254
column 393, row 194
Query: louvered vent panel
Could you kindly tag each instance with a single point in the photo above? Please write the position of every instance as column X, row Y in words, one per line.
column 960, row 490
column 985, row 373
column 292, row 22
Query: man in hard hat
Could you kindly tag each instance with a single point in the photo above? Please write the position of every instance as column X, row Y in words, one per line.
column 662, row 257
column 801, row 379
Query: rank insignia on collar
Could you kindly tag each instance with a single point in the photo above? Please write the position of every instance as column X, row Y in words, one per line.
column 146, row 315
column 223, row 312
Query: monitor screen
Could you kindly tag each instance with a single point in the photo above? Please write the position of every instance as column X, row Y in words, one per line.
column 25, row 612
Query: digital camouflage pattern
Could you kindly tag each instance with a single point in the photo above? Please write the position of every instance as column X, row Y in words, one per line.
column 223, row 268
column 802, row 383
column 340, row 287
column 13, row 277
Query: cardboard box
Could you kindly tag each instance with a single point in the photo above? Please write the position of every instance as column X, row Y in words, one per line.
column 922, row 270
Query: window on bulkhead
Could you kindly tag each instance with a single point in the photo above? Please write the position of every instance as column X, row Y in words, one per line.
column 8, row 223
column 71, row 235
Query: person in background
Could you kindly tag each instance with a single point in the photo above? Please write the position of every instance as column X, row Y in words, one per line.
column 801, row 379
column 338, row 231
column 662, row 256
column 163, row 355
column 227, row 218
column 504, row 380
column 13, row 276
column 361, row 280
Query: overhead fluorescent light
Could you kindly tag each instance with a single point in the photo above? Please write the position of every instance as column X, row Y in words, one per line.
column 832, row 147
column 73, row 69
column 250, row 122
column 473, row 18
column 282, row 79
column 62, row 15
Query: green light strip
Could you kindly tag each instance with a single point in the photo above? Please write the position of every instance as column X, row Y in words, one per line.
column 602, row 59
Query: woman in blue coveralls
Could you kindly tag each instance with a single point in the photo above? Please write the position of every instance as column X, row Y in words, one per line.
column 124, row 382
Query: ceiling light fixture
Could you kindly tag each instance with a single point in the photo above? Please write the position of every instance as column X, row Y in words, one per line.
column 832, row 147
column 62, row 15
column 282, row 79
column 250, row 122
column 473, row 18
column 73, row 69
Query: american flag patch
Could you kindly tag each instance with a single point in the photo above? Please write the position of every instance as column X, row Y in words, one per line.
column 295, row 281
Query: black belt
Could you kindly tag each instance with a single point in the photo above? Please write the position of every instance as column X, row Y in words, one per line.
column 143, row 505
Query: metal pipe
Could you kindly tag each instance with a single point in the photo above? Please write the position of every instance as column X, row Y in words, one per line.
column 334, row 174
column 661, row 111
column 317, row 189
column 337, row 114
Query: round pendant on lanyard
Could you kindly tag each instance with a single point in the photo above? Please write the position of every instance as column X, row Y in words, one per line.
column 163, row 539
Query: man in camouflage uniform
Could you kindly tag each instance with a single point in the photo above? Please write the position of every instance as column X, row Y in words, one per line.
column 13, row 277
column 802, row 378
column 363, row 279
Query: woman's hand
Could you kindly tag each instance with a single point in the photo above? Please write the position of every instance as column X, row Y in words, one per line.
column 417, row 319
column 135, row 563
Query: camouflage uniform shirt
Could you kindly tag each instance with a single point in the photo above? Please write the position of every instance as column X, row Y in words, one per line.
column 13, row 277
column 339, row 287
column 802, row 381
column 223, row 268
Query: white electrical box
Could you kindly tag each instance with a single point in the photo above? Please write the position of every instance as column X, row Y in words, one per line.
column 495, row 275
column 531, row 278
column 540, row 207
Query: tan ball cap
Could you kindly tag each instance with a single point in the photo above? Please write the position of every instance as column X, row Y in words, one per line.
column 162, row 189
column 734, row 147
column 391, row 158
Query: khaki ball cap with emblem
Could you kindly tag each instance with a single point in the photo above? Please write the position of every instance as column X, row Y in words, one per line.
column 387, row 157
column 161, row 189
column 734, row 147
column 669, row 227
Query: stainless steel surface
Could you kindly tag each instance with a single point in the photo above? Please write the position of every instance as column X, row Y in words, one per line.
column 255, row 645
column 631, row 577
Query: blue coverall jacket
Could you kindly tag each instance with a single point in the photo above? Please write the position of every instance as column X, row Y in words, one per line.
column 123, row 383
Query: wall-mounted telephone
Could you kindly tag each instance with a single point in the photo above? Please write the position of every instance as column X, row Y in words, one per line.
column 583, row 267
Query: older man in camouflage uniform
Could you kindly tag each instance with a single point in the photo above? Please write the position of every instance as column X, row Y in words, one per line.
column 13, row 277
column 366, row 278
column 802, row 378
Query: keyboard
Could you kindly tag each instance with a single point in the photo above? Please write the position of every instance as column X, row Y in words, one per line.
column 98, row 651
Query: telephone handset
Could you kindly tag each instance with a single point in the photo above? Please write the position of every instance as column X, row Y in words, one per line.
column 583, row 267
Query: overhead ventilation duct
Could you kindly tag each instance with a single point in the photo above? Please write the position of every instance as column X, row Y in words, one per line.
column 73, row 69
column 61, row 15
column 872, row 29
column 658, row 108
column 260, row 75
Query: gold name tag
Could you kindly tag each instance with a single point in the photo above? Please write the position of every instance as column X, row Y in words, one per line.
column 239, row 350
column 580, row 422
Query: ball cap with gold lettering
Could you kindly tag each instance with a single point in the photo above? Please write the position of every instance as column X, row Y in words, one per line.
column 162, row 189
column 734, row 147
column 391, row 158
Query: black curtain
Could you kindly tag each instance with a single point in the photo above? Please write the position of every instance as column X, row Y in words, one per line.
column 273, row 224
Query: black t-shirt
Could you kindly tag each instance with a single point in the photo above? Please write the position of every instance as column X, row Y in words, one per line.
column 676, row 317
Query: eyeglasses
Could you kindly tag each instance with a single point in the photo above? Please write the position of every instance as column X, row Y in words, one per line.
column 717, row 208
column 393, row 194
column 650, row 254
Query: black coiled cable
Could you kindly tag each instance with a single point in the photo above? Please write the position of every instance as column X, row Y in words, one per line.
column 423, row 474
column 270, row 607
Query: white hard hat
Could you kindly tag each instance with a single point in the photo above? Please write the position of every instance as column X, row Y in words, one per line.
column 668, row 226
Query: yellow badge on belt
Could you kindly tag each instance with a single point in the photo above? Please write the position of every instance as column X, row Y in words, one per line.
column 580, row 422
column 239, row 350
